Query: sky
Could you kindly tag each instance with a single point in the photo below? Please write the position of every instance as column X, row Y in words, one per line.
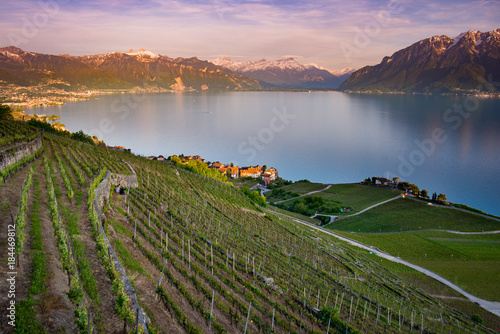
column 331, row 33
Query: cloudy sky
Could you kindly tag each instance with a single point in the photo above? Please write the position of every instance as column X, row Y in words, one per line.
column 331, row 33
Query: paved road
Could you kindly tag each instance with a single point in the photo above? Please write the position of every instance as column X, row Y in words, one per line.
column 493, row 307
column 310, row 193
column 458, row 232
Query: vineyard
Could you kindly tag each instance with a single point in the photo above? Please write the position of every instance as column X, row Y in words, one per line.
column 183, row 253
column 13, row 132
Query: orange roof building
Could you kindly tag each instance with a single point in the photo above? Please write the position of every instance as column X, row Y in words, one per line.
column 254, row 172
column 234, row 172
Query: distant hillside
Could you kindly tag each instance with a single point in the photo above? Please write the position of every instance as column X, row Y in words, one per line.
column 117, row 71
column 31, row 68
column 287, row 73
column 437, row 64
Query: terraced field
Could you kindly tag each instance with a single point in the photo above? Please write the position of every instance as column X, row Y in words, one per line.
column 199, row 255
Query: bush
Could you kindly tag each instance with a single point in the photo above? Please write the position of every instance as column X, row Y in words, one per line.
column 323, row 219
column 5, row 112
column 327, row 313
column 477, row 319
column 47, row 127
column 255, row 196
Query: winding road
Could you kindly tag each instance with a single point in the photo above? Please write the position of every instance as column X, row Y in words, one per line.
column 493, row 307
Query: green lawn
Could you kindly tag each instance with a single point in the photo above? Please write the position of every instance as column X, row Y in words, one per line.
column 470, row 261
column 349, row 194
column 410, row 215
column 357, row 195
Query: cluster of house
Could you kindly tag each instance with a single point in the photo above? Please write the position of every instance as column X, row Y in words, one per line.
column 267, row 175
column 159, row 158
column 384, row 181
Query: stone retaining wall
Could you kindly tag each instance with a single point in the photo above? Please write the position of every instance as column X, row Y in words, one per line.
column 102, row 193
column 13, row 154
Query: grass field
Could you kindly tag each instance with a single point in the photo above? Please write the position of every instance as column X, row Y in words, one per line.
column 357, row 195
column 349, row 194
column 410, row 215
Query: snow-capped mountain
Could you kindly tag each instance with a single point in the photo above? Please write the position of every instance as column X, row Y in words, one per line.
column 286, row 73
column 466, row 63
column 142, row 53
column 337, row 73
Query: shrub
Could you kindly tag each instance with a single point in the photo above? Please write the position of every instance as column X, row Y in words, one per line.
column 477, row 319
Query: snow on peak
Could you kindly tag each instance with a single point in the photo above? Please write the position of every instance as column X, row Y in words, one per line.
column 10, row 54
column 343, row 71
column 142, row 53
column 258, row 65
column 336, row 73
column 281, row 64
column 457, row 39
column 313, row 65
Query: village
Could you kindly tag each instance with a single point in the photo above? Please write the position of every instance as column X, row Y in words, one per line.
column 267, row 175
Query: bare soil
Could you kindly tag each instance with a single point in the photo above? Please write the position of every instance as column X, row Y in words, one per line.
column 10, row 192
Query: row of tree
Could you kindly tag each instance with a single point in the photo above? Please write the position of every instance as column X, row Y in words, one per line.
column 413, row 188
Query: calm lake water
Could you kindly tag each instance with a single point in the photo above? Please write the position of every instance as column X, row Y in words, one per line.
column 444, row 144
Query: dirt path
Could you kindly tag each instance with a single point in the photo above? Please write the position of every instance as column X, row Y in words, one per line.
column 57, row 309
column 10, row 192
column 104, row 316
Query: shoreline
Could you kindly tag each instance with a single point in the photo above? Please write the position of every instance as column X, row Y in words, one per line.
column 61, row 98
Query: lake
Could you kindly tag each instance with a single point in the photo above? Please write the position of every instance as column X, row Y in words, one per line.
column 445, row 144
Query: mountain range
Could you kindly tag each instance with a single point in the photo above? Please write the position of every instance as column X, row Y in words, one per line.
column 287, row 73
column 469, row 62
column 117, row 70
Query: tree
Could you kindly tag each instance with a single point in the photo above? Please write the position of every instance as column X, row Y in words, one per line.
column 81, row 136
column 175, row 159
column 441, row 198
column 424, row 194
column 414, row 189
column 232, row 165
column 403, row 185
column 434, row 196
column 300, row 207
column 395, row 179
column 5, row 112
